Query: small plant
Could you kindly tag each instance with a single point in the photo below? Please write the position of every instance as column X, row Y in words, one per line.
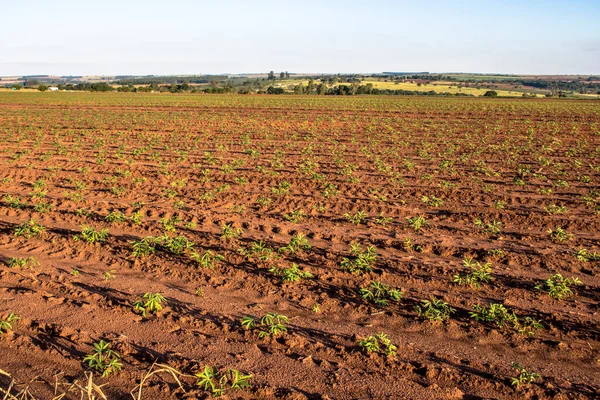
column 271, row 324
column 498, row 315
column 136, row 217
column 379, row 343
column 435, row 310
column 291, row 274
column 297, row 243
column 170, row 224
column 28, row 262
column 380, row 293
column 149, row 303
column 479, row 274
column 362, row 260
column 14, row 202
column 208, row 259
column 500, row 204
column 177, row 245
column 7, row 323
column 525, row 377
column 554, row 209
column 230, row 233
column 144, row 247
column 115, row 216
column 43, row 207
column 432, row 201
column 558, row 287
column 219, row 382
column 259, row 251
column 110, row 274
column 295, row 216
column 358, row 218
column 417, row 223
column 29, row 229
column 491, row 228
column 559, row 235
column 383, row 220
column 584, row 255
column 104, row 359
column 91, row 235
column 282, row 189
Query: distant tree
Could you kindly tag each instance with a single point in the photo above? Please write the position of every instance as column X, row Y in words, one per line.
column 275, row 90
column 271, row 76
column 42, row 88
column 16, row 86
column 287, row 75
column 491, row 93
column 322, row 89
column 282, row 75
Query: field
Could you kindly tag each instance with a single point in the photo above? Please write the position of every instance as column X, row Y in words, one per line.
column 330, row 247
column 440, row 87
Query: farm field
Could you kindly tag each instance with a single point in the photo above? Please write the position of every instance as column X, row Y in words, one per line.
column 330, row 247
column 441, row 87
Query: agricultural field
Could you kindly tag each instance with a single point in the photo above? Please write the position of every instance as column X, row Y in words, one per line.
column 298, row 247
column 441, row 87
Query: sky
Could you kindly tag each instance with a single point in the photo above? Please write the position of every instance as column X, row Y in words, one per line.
column 131, row 37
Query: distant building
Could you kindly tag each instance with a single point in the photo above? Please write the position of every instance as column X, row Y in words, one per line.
column 53, row 89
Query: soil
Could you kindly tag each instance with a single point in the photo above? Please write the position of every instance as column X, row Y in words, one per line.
column 210, row 161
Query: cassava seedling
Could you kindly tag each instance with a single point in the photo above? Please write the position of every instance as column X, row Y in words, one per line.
column 379, row 343
column 6, row 324
column 103, row 359
column 219, row 383
column 271, row 324
column 149, row 303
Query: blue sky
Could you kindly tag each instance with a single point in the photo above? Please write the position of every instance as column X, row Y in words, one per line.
column 69, row 37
